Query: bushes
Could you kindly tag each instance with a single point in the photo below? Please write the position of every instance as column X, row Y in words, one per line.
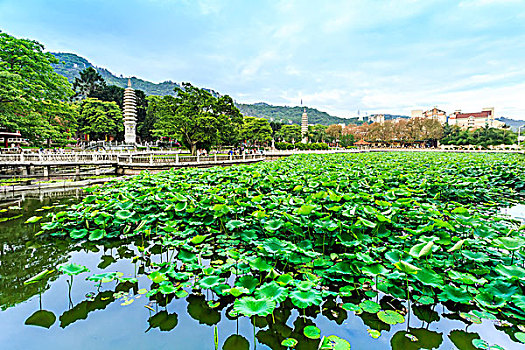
column 301, row 146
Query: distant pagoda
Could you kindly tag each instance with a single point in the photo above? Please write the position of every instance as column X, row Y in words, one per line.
column 130, row 115
column 304, row 126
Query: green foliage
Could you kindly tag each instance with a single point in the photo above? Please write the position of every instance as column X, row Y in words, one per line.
column 256, row 130
column 99, row 118
column 483, row 137
column 289, row 133
column 31, row 93
column 195, row 117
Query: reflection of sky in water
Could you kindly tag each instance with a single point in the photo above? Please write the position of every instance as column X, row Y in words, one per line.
column 517, row 211
column 123, row 327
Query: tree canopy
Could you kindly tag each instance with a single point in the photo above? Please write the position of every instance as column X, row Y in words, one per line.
column 100, row 118
column 30, row 88
column 289, row 133
column 195, row 117
column 256, row 130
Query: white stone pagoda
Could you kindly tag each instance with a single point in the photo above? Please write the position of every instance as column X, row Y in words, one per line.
column 130, row 115
column 304, row 127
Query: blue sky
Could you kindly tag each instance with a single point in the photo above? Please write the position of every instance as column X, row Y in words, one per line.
column 338, row 56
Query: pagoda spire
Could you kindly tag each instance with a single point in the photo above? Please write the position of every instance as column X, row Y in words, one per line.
column 130, row 115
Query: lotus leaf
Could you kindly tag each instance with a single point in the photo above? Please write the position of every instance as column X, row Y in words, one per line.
column 73, row 269
column 236, row 342
column 289, row 342
column 390, row 317
column 249, row 306
column 303, row 299
column 272, row 291
column 370, row 306
column 41, row 318
column 333, row 342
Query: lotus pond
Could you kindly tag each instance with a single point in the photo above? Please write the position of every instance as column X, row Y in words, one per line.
column 385, row 251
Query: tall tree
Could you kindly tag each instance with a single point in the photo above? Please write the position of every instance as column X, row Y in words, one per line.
column 195, row 117
column 334, row 131
column 317, row 133
column 289, row 133
column 89, row 83
column 100, row 118
column 28, row 84
column 256, row 130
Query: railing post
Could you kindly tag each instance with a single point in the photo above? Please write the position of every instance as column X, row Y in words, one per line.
column 231, row 157
column 215, row 158
column 243, row 155
column 21, row 157
column 177, row 158
column 130, row 155
column 198, row 158
column 76, row 157
column 151, row 158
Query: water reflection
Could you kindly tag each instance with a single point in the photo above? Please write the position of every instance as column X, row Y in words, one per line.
column 202, row 320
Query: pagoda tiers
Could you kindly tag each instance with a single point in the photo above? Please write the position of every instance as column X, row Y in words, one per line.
column 304, row 127
column 130, row 115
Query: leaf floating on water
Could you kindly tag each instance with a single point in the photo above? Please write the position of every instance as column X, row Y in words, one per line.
column 374, row 333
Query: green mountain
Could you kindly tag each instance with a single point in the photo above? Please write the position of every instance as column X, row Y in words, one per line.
column 71, row 65
column 287, row 114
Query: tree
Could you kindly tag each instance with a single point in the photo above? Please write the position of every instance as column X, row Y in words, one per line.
column 289, row 133
column 317, row 133
column 195, row 117
column 28, row 85
column 100, row 118
column 89, row 83
column 256, row 130
column 334, row 132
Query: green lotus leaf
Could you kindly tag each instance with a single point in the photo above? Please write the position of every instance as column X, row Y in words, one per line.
column 390, row 317
column 430, row 278
column 221, row 209
column 233, row 224
column 249, row 306
column 78, row 234
column 272, row 291
column 475, row 256
column 237, row 291
column 123, row 215
column 210, row 282
column 236, row 342
column 370, row 306
column 105, row 277
column 39, row 277
column 456, row 246
column 519, row 301
column 247, row 281
column 424, row 300
column 41, row 318
column 303, row 299
column 457, row 295
column 273, row 225
column 260, row 264
column 284, row 280
column 374, row 333
column 511, row 272
column 181, row 206
column 274, row 245
column 33, row 219
column 186, row 256
column 289, row 343
column 480, row 344
column 166, row 287
column 305, row 209
column 198, row 239
column 73, row 269
column 520, row 336
column 500, row 289
column 375, row 269
column 157, row 277
column 465, row 278
column 490, row 301
column 421, row 249
column 96, row 235
column 312, row 332
column 510, row 243
column 352, row 307
column 407, row 268
column 333, row 342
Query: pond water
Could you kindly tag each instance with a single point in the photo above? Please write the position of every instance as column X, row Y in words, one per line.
column 89, row 316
